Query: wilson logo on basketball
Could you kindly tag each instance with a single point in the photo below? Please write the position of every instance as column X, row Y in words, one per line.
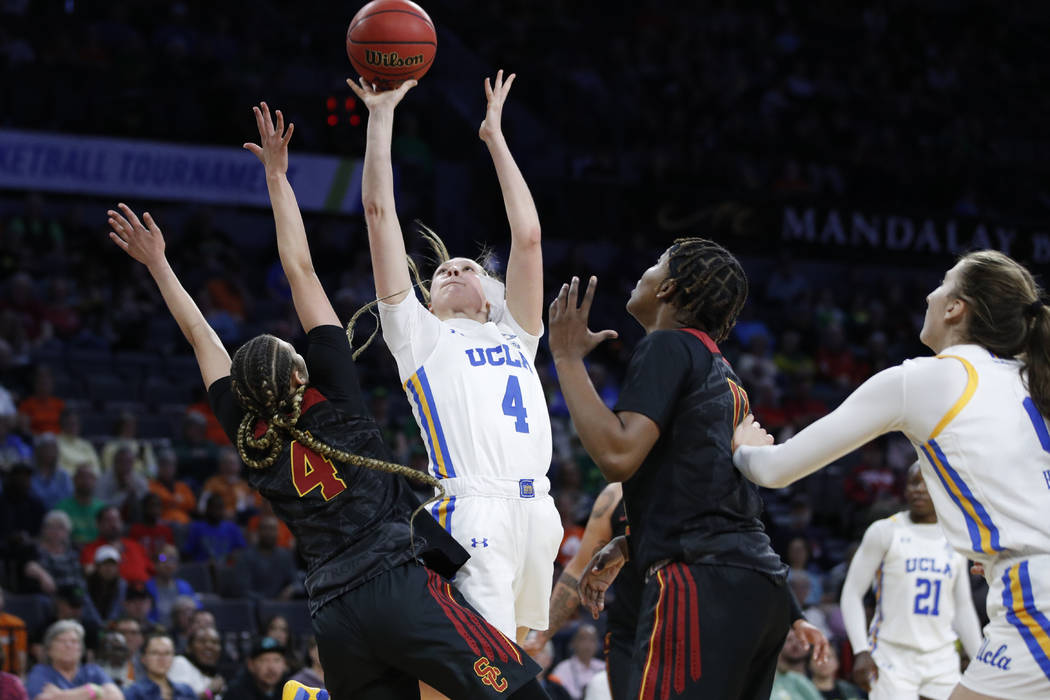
column 392, row 59
column 490, row 675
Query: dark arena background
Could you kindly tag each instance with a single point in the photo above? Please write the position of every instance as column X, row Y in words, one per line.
column 846, row 152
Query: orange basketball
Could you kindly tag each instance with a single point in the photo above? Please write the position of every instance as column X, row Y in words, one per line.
column 390, row 41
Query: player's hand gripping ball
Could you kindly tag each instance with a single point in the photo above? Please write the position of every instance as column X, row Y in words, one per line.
column 391, row 41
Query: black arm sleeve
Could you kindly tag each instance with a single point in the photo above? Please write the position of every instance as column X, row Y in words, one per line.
column 330, row 363
column 658, row 369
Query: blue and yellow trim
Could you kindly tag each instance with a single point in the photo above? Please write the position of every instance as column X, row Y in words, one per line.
column 984, row 535
column 873, row 633
column 442, row 512
column 418, row 389
column 1019, row 601
column 968, row 392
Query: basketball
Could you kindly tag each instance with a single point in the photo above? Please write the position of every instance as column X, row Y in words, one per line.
column 391, row 41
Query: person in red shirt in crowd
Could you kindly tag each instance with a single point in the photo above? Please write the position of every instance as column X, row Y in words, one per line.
column 151, row 533
column 213, row 431
column 43, row 409
column 135, row 564
column 176, row 497
column 871, row 480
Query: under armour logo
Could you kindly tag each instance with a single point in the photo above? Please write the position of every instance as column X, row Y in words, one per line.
column 474, row 542
column 490, row 675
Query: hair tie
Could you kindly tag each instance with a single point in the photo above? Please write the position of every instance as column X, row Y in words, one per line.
column 1033, row 309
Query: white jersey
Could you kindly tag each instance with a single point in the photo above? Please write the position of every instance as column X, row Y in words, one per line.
column 475, row 394
column 921, row 586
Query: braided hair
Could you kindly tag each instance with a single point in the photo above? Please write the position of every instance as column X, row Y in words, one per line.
column 261, row 376
column 710, row 285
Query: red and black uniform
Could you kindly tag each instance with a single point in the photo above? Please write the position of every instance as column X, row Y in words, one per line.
column 382, row 620
column 715, row 607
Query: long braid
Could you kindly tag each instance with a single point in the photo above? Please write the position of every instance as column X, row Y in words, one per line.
column 259, row 367
column 711, row 285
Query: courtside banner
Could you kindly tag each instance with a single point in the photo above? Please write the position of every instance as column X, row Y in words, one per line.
column 128, row 169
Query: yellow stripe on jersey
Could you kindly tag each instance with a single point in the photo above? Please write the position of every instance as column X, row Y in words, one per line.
column 420, row 393
column 971, row 387
column 1022, row 596
column 978, row 521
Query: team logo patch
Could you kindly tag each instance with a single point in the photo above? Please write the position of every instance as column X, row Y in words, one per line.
column 490, row 675
column 526, row 488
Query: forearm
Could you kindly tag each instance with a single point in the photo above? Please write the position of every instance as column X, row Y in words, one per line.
column 377, row 196
column 966, row 624
column 601, row 431
column 183, row 309
column 565, row 600
column 522, row 216
column 292, row 246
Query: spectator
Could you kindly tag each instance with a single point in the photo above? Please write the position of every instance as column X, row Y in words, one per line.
column 157, row 658
column 115, row 660
column 11, row 687
column 545, row 658
column 74, row 450
column 265, row 570
column 177, row 499
column 181, row 617
column 311, row 675
column 237, row 496
column 71, row 603
column 802, row 586
column 165, row 589
column 21, row 513
column 266, row 667
column 54, row 562
column 213, row 539
column 82, row 507
column 824, row 675
column 64, row 647
column 195, row 453
column 152, row 534
column 198, row 668
column 138, row 604
column 133, row 631
column 12, row 447
column 105, row 587
column 49, row 483
column 43, row 409
column 598, row 687
column 14, row 642
column 134, row 563
column 575, row 672
column 122, row 486
column 145, row 463
column 213, row 429
column 798, row 558
column 871, row 480
column 790, row 682
column 285, row 538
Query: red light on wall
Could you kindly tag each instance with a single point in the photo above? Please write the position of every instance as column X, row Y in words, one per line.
column 355, row 120
column 332, row 120
column 330, row 103
column 350, row 105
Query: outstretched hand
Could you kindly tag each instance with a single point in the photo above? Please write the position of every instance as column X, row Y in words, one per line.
column 813, row 638
column 569, row 337
column 379, row 100
column 750, row 432
column 274, row 149
column 496, row 94
column 601, row 571
column 141, row 240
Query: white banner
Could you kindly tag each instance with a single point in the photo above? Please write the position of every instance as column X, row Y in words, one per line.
column 127, row 169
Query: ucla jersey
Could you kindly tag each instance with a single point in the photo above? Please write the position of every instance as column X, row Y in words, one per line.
column 914, row 585
column 475, row 394
column 990, row 454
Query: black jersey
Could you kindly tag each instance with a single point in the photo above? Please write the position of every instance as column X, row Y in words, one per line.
column 687, row 502
column 350, row 523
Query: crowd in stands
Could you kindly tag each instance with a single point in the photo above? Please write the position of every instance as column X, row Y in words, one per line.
column 122, row 504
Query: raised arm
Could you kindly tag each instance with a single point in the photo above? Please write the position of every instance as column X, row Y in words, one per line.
column 144, row 241
column 385, row 240
column 311, row 302
column 525, row 267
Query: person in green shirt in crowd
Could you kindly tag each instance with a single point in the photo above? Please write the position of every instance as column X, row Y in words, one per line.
column 790, row 682
column 82, row 506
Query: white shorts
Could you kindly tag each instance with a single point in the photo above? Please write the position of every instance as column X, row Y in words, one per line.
column 512, row 533
column 1014, row 661
column 906, row 673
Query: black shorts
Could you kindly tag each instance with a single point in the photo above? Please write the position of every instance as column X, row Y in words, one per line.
column 408, row 624
column 709, row 632
column 619, row 647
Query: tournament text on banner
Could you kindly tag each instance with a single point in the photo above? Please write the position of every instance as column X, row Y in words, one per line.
column 152, row 170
